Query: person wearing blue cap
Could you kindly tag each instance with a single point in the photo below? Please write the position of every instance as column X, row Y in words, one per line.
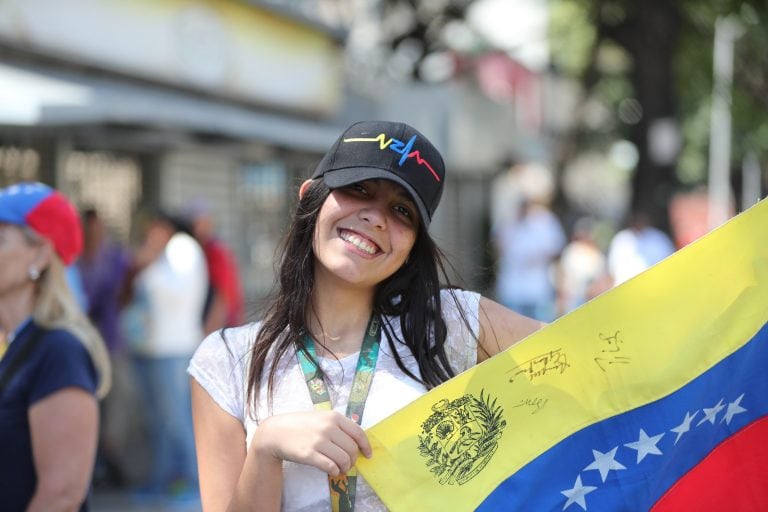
column 361, row 325
column 53, row 365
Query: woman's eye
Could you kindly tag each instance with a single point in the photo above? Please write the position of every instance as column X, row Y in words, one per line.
column 404, row 212
column 357, row 187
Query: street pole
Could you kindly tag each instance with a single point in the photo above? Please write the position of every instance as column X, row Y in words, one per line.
column 750, row 181
column 727, row 30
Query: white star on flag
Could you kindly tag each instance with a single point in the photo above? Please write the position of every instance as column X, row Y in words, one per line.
column 604, row 462
column 734, row 408
column 711, row 412
column 645, row 445
column 577, row 493
column 685, row 426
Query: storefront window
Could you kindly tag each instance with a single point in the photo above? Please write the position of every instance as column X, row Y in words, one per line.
column 18, row 164
column 263, row 198
column 109, row 183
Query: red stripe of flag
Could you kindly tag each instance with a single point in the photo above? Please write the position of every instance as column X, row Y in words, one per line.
column 733, row 477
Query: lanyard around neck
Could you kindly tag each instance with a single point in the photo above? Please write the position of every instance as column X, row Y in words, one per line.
column 343, row 486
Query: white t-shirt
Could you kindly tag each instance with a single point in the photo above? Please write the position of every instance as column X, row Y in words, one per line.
column 526, row 249
column 221, row 368
column 169, row 300
column 633, row 251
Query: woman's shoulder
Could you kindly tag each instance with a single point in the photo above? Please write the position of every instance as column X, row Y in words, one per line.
column 220, row 365
column 461, row 314
column 59, row 360
column 230, row 343
column 240, row 336
column 457, row 301
column 56, row 336
column 58, row 344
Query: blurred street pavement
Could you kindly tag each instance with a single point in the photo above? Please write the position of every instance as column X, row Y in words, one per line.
column 123, row 501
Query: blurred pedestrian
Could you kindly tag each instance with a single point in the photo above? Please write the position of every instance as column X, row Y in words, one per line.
column 359, row 277
column 526, row 248
column 54, row 364
column 164, row 324
column 580, row 269
column 224, row 304
column 75, row 282
column 103, row 267
column 636, row 248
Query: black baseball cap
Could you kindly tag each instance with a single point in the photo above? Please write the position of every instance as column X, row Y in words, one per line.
column 390, row 151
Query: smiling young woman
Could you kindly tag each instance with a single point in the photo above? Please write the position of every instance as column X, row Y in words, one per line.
column 362, row 323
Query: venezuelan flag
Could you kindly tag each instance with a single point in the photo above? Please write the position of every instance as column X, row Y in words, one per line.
column 654, row 396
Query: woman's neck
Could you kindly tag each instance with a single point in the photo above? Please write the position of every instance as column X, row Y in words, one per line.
column 14, row 309
column 338, row 318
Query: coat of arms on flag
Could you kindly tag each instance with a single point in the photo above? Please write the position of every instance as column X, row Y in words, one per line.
column 460, row 437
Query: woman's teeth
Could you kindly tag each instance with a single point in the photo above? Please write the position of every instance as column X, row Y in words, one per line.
column 358, row 242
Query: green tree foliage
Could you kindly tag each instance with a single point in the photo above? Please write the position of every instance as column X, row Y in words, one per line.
column 657, row 54
column 417, row 27
column 639, row 62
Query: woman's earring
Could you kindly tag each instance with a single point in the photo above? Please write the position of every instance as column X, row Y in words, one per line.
column 33, row 272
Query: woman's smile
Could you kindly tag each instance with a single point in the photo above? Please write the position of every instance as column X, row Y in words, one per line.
column 360, row 242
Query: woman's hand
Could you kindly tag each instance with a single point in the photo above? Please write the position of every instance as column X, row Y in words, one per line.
column 323, row 439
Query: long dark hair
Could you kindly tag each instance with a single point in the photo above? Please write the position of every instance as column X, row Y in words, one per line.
column 411, row 294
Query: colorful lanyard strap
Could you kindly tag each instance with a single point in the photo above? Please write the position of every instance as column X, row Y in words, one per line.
column 3, row 344
column 7, row 338
column 343, row 487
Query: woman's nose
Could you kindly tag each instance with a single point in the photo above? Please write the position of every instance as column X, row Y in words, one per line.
column 374, row 214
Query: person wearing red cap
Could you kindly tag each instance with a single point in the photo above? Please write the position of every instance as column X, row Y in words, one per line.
column 224, row 304
column 360, row 326
column 54, row 365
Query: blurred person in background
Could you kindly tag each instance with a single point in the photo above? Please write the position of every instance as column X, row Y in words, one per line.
column 54, row 364
column 636, row 248
column 224, row 303
column 103, row 266
column 526, row 248
column 163, row 326
column 75, row 282
column 581, row 269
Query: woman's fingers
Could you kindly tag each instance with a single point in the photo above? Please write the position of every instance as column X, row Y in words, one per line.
column 357, row 434
column 348, row 435
column 340, row 458
column 343, row 441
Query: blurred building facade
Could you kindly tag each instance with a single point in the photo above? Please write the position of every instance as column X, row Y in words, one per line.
column 130, row 106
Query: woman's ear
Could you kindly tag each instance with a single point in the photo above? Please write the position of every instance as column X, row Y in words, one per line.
column 303, row 188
